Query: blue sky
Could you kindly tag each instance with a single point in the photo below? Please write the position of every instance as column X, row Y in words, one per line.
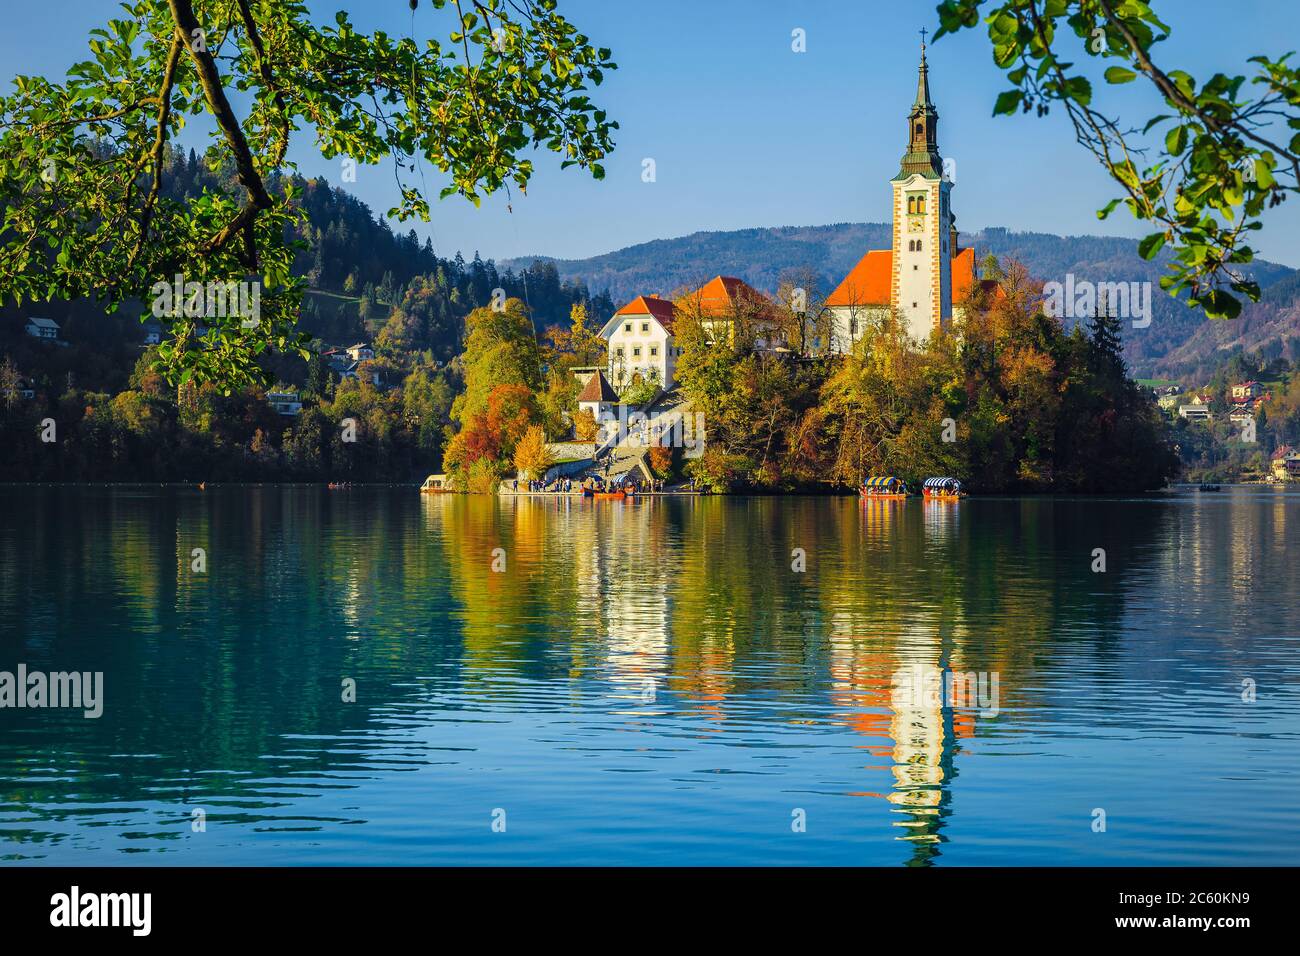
column 745, row 132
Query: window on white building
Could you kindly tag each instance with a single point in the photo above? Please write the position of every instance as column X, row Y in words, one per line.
column 654, row 350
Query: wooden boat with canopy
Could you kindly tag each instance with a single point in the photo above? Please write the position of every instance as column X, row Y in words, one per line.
column 942, row 489
column 883, row 487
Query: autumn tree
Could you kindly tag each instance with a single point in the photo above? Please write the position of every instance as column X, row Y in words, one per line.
column 532, row 458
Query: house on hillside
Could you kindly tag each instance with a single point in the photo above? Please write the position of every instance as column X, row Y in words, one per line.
column 337, row 359
column 363, row 371
column 1241, row 414
column 640, row 337
column 924, row 276
column 361, row 352
column 1195, row 412
column 38, row 328
column 1247, row 391
column 285, row 403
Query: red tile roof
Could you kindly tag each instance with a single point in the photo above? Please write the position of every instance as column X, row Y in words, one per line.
column 867, row 283
column 964, row 277
column 663, row 310
column 963, row 273
column 598, row 389
column 723, row 294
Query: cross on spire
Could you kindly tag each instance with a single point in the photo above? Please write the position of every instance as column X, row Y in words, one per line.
column 924, row 31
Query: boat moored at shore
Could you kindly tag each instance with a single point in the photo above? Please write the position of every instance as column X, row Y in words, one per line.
column 436, row 485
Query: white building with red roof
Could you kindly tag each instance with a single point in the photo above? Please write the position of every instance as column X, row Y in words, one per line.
column 924, row 275
column 640, row 337
column 1247, row 391
column 725, row 301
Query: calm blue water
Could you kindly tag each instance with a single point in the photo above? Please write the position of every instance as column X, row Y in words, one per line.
column 650, row 683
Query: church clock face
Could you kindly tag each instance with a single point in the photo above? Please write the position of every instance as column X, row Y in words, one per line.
column 916, row 224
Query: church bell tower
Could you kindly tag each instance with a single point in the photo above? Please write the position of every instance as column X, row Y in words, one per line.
column 924, row 234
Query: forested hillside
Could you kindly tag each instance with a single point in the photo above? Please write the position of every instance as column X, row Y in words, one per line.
column 359, row 269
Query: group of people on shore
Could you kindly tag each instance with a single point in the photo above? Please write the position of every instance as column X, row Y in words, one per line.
column 594, row 483
column 559, row 486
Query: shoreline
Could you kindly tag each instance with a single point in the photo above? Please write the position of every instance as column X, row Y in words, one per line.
column 1174, row 489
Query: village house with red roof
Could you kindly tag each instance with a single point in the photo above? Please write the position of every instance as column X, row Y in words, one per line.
column 1247, row 391
column 640, row 337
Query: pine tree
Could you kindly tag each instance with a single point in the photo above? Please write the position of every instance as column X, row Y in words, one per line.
column 1106, row 345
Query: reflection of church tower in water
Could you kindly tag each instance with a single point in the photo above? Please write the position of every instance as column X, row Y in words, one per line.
column 924, row 736
column 880, row 690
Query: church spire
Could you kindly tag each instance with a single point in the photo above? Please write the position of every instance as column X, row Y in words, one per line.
column 922, row 154
column 923, row 82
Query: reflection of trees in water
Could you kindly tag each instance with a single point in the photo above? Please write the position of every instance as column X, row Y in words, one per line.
column 695, row 600
column 222, row 670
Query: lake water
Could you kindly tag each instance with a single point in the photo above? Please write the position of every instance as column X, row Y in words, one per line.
column 651, row 682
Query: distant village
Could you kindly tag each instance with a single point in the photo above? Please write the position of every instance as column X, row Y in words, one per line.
column 1241, row 404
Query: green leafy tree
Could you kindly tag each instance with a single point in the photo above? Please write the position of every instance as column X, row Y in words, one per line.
column 1229, row 148
column 500, row 349
column 82, row 160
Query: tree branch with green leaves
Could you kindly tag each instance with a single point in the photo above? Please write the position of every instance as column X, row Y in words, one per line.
column 83, row 211
column 1230, row 145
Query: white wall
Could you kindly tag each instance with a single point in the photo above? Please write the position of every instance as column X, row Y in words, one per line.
column 920, row 280
column 643, row 333
column 849, row 323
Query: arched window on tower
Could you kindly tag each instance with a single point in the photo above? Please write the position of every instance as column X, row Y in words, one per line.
column 911, row 205
column 918, row 245
column 920, row 205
